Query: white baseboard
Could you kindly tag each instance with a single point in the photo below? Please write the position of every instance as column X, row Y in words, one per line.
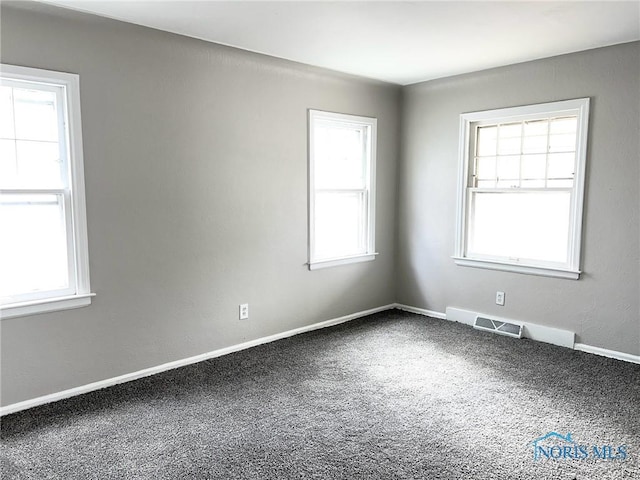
column 72, row 392
column 459, row 315
column 420, row 311
column 627, row 357
column 539, row 333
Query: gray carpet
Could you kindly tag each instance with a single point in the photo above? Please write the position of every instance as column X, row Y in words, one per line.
column 390, row 396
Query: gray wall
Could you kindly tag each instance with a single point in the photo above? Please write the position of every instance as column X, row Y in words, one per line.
column 196, row 180
column 602, row 307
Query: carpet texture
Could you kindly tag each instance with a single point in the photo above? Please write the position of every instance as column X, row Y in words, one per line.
column 390, row 396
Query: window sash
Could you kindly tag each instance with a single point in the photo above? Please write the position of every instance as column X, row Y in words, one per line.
column 489, row 153
column 516, row 230
column 69, row 250
column 354, row 239
column 61, row 94
column 345, row 180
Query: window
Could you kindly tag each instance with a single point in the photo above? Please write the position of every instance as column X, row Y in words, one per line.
column 521, row 188
column 342, row 153
column 43, row 246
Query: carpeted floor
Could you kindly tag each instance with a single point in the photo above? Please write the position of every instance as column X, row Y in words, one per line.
column 390, row 396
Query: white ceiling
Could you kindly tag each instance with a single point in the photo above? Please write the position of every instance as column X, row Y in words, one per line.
column 395, row 41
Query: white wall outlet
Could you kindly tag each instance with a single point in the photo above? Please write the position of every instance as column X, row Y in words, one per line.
column 244, row 311
column 500, row 298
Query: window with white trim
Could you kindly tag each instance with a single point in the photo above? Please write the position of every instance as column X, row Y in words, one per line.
column 342, row 153
column 44, row 262
column 521, row 188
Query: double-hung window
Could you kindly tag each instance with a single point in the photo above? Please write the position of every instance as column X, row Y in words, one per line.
column 521, row 188
column 342, row 152
column 43, row 241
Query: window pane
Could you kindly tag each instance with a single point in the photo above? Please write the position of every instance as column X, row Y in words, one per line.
column 510, row 139
column 487, row 141
column 8, row 168
column 340, row 224
column 509, row 146
column 561, row 165
column 522, row 225
column 536, row 128
column 510, row 130
column 339, row 156
column 562, row 142
column 6, row 113
column 564, row 125
column 39, row 164
column 509, row 168
column 33, row 244
column 534, row 167
column 486, row 168
column 35, row 115
column 534, row 144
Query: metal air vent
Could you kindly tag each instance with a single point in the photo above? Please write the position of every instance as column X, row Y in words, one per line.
column 498, row 326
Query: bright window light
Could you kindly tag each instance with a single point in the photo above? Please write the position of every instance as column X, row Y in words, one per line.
column 521, row 188
column 43, row 247
column 341, row 167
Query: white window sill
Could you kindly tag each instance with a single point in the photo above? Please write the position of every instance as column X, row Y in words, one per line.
column 526, row 269
column 45, row 305
column 342, row 261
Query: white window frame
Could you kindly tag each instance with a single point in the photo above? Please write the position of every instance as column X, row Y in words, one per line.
column 468, row 123
column 79, row 293
column 370, row 126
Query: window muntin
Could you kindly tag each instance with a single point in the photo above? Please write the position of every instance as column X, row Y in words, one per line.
column 43, row 247
column 341, row 167
column 522, row 182
column 539, row 153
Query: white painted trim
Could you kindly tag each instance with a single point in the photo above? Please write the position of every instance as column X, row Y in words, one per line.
column 459, row 315
column 45, row 305
column 72, row 392
column 515, row 268
column 626, row 357
column 532, row 331
column 539, row 333
column 554, row 336
column 420, row 311
column 342, row 261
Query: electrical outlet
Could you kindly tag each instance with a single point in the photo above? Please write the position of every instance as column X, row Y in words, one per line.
column 500, row 298
column 244, row 311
